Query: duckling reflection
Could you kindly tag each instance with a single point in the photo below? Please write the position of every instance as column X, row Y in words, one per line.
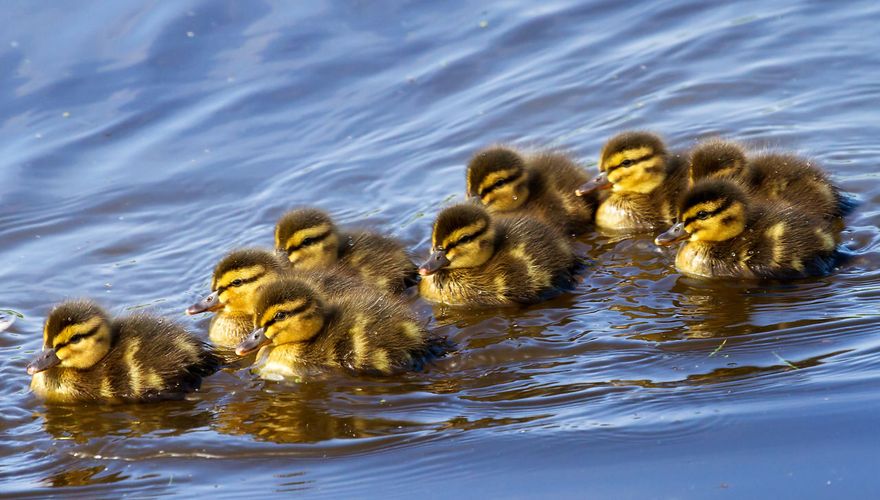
column 83, row 423
column 541, row 184
column 294, row 417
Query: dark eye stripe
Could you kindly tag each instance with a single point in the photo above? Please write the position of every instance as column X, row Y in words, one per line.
column 78, row 336
column 500, row 182
column 288, row 313
column 634, row 162
column 466, row 238
column 243, row 281
column 718, row 210
column 311, row 240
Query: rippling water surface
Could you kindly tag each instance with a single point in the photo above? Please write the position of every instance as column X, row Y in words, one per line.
column 140, row 141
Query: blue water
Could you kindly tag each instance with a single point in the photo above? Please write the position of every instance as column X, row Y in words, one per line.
column 139, row 142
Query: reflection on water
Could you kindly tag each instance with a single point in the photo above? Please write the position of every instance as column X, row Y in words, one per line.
column 142, row 142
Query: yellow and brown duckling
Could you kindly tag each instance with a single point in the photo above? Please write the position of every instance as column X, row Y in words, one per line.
column 481, row 259
column 304, row 331
column 236, row 282
column 732, row 234
column 775, row 176
column 87, row 356
column 541, row 184
column 310, row 240
column 645, row 181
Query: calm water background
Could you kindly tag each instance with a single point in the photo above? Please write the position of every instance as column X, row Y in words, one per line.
column 141, row 141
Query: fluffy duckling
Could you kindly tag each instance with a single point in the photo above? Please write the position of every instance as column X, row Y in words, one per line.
column 304, row 331
column 774, row 176
column 235, row 284
column 87, row 356
column 480, row 259
column 541, row 184
column 311, row 240
column 645, row 181
column 730, row 234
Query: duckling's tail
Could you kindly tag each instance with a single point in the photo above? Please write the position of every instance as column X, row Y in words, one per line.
column 434, row 348
column 846, row 204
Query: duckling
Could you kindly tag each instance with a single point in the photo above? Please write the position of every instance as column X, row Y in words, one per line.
column 303, row 331
column 645, row 182
column 731, row 234
column 481, row 259
column 236, row 280
column 311, row 240
column 774, row 176
column 88, row 356
column 541, row 184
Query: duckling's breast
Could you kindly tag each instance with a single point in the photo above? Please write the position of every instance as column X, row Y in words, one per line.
column 623, row 213
column 52, row 386
column 229, row 330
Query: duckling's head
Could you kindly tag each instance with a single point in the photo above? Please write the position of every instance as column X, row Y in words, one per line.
column 712, row 210
column 463, row 236
column 308, row 237
column 237, row 278
column 498, row 176
column 77, row 334
column 717, row 159
column 631, row 162
column 287, row 311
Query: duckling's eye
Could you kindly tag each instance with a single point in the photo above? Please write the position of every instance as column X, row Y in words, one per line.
column 702, row 214
column 306, row 242
column 75, row 339
column 465, row 239
column 279, row 316
column 236, row 282
column 626, row 163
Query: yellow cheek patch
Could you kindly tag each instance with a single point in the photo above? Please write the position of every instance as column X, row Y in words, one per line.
column 244, row 274
column 627, row 154
column 284, row 306
column 637, row 177
column 310, row 232
column 76, row 329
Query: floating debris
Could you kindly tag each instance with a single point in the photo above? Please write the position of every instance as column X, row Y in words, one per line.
column 8, row 317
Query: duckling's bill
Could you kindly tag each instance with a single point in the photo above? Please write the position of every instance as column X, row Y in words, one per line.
column 435, row 262
column 595, row 184
column 673, row 234
column 252, row 342
column 45, row 360
column 209, row 303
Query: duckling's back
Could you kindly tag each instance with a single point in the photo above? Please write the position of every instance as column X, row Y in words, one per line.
column 381, row 261
column 555, row 180
column 795, row 180
column 151, row 359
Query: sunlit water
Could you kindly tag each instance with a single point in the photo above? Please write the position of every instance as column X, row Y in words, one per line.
column 139, row 143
